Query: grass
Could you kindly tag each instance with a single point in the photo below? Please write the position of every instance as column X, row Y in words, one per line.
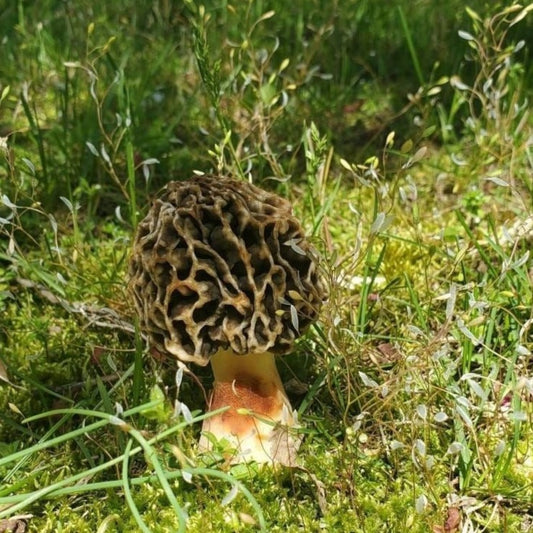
column 403, row 139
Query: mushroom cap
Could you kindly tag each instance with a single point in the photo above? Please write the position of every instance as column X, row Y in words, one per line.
column 221, row 264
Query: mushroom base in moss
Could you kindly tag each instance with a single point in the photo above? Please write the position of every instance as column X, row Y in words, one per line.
column 259, row 424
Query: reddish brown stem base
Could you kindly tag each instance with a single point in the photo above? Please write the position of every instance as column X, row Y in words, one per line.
column 257, row 422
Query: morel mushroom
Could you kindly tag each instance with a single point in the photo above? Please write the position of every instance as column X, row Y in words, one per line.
column 221, row 273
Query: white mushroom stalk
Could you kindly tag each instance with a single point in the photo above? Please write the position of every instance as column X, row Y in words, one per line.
column 259, row 424
column 221, row 271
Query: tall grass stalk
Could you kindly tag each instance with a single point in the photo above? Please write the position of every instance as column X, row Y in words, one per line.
column 411, row 46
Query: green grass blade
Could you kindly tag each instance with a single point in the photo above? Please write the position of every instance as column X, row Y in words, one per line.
column 151, row 456
column 410, row 44
column 125, row 483
column 71, row 434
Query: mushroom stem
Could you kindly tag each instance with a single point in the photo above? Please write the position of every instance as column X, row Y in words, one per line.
column 257, row 422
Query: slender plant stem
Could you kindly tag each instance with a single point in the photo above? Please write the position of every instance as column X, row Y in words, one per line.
column 125, row 483
column 411, row 46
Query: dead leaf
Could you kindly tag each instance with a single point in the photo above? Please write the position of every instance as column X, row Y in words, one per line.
column 453, row 521
column 355, row 106
column 17, row 524
column 157, row 355
column 386, row 354
column 15, row 409
column 389, row 351
column 5, row 378
column 247, row 519
column 296, row 387
column 96, row 356
column 3, row 372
